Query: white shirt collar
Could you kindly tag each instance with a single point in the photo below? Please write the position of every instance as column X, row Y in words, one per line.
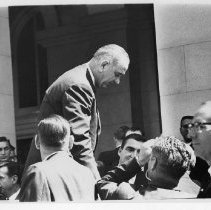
column 90, row 71
column 14, row 196
column 49, row 156
column 52, row 154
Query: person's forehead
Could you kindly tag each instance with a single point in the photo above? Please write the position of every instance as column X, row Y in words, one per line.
column 202, row 116
column 133, row 143
column 123, row 62
column 204, row 112
column 3, row 144
column 3, row 170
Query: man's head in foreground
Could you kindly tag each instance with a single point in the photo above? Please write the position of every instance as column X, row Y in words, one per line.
column 170, row 159
column 53, row 134
column 10, row 178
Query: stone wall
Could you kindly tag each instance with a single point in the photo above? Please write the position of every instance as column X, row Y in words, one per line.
column 7, row 120
column 183, row 34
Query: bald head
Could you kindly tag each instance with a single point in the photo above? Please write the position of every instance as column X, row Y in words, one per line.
column 204, row 111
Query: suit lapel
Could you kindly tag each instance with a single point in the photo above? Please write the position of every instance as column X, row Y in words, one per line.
column 91, row 82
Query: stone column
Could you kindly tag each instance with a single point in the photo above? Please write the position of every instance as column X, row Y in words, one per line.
column 7, row 117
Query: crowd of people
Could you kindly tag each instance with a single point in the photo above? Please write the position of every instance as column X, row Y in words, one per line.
column 61, row 165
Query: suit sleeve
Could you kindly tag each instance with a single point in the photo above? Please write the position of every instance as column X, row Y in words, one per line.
column 77, row 109
column 34, row 186
column 114, row 185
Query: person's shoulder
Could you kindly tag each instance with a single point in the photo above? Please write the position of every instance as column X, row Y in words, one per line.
column 82, row 171
column 33, row 172
column 75, row 76
column 35, row 167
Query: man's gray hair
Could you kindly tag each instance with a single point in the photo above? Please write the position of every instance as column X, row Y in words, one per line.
column 54, row 131
column 205, row 109
column 114, row 51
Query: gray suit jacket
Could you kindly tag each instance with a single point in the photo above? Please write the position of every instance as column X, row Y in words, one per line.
column 72, row 96
column 59, row 178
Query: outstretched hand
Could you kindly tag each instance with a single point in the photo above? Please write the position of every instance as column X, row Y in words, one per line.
column 144, row 154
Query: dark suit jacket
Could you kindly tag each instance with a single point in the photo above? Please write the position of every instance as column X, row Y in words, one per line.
column 59, row 178
column 72, row 96
column 110, row 159
column 205, row 192
column 200, row 172
column 115, row 184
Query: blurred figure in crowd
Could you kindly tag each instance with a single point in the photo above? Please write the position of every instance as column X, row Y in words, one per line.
column 199, row 173
column 5, row 149
column 201, row 139
column 108, row 159
column 10, row 180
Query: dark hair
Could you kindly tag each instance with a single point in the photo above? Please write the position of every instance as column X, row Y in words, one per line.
column 134, row 129
column 54, row 130
column 4, row 139
column 14, row 168
column 134, row 136
column 188, row 117
column 120, row 132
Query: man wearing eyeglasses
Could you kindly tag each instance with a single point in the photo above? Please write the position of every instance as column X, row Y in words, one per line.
column 201, row 139
column 199, row 173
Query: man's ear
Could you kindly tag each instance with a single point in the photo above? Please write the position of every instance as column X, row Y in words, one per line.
column 120, row 150
column 103, row 65
column 37, row 142
column 71, row 141
column 14, row 179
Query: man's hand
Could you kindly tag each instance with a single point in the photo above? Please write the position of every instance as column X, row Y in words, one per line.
column 144, row 154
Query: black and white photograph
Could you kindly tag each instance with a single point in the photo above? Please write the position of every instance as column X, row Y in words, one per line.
column 105, row 102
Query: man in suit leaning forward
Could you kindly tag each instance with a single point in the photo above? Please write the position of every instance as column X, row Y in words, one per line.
column 72, row 96
column 58, row 177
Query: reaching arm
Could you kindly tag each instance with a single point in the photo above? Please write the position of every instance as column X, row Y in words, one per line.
column 114, row 185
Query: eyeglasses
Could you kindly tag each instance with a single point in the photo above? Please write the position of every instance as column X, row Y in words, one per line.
column 189, row 125
column 201, row 126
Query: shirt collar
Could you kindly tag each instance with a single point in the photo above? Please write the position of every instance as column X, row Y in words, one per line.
column 14, row 196
column 90, row 72
column 49, row 156
column 52, row 154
